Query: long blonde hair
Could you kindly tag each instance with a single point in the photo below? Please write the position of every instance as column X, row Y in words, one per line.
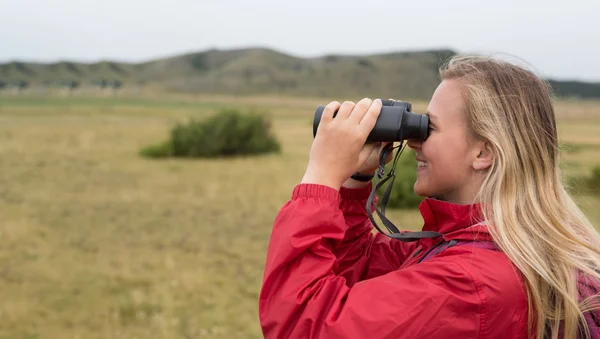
column 532, row 218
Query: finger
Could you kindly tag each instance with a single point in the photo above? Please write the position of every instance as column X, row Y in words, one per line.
column 329, row 111
column 366, row 152
column 371, row 146
column 377, row 151
column 345, row 110
column 360, row 110
column 370, row 117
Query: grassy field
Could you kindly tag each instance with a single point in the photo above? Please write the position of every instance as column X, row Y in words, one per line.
column 98, row 242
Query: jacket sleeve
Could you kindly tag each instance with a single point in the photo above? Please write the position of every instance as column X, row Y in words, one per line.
column 361, row 253
column 303, row 297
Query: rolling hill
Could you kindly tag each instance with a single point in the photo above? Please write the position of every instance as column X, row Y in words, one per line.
column 262, row 71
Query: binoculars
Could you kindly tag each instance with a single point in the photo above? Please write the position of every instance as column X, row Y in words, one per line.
column 396, row 122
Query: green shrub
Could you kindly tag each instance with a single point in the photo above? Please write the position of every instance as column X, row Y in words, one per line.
column 160, row 150
column 594, row 181
column 225, row 134
column 596, row 173
column 402, row 194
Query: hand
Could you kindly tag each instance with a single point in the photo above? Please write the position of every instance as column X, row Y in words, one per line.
column 372, row 163
column 338, row 149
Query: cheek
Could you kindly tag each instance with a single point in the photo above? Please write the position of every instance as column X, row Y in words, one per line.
column 447, row 154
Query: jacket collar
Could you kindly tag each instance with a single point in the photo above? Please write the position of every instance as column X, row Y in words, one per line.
column 454, row 221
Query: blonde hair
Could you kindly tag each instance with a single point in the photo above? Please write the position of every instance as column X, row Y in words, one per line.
column 532, row 218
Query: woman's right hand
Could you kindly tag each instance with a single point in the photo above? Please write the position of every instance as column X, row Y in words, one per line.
column 338, row 149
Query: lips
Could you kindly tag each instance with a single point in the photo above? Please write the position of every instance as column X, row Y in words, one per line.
column 421, row 163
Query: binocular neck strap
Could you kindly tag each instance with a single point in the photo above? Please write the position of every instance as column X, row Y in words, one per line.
column 392, row 229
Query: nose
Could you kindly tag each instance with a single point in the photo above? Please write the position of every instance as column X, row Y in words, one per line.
column 415, row 144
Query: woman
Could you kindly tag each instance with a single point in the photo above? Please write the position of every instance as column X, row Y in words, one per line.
column 489, row 172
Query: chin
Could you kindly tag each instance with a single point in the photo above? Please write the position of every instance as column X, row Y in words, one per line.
column 420, row 190
column 425, row 192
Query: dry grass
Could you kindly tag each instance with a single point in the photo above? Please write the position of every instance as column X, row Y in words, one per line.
column 100, row 243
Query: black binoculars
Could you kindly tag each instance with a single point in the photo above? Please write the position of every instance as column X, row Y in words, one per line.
column 396, row 122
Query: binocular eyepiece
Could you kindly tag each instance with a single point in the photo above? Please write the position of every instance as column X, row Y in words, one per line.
column 396, row 122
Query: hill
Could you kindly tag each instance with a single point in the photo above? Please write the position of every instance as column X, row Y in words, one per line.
column 260, row 71
column 576, row 89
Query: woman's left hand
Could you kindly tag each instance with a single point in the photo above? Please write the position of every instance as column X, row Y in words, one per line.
column 337, row 150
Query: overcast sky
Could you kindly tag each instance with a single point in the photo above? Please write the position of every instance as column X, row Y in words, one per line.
column 561, row 39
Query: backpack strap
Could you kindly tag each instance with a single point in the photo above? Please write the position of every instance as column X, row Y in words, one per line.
column 490, row 245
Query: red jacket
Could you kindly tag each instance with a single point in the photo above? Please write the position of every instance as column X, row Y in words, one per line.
column 327, row 275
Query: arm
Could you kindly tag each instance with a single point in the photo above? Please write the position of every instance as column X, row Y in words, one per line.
column 303, row 297
column 362, row 254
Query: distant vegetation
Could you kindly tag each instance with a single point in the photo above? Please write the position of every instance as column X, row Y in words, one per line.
column 227, row 134
column 402, row 194
column 594, row 180
column 576, row 89
column 406, row 75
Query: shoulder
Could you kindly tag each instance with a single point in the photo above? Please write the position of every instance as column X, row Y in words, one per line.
column 498, row 283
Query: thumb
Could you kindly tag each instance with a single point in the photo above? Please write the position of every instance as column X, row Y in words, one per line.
column 367, row 150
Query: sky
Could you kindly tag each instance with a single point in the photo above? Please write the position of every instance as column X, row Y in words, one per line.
column 559, row 39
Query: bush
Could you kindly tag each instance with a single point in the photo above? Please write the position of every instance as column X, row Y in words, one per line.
column 596, row 173
column 161, row 150
column 226, row 134
column 594, row 181
column 402, row 194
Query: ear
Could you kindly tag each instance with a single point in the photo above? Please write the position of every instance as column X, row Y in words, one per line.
column 484, row 157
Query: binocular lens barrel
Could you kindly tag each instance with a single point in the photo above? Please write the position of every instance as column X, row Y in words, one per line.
column 395, row 123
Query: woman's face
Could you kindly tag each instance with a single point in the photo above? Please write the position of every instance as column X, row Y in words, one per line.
column 447, row 160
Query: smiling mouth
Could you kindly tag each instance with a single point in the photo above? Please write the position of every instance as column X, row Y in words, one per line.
column 421, row 164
